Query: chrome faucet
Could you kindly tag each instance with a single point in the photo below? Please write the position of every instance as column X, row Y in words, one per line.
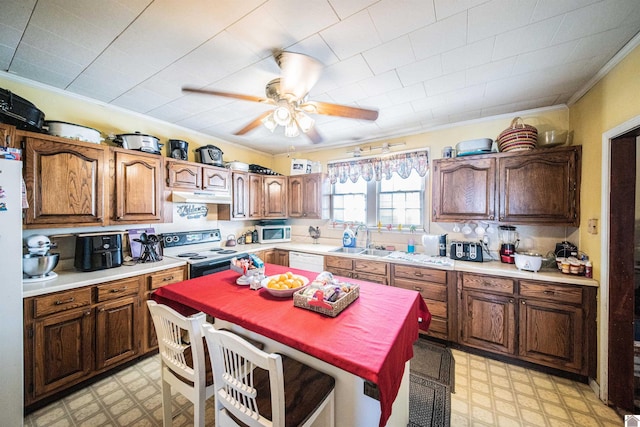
column 367, row 241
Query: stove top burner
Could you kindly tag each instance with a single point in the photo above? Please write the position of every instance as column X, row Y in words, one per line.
column 187, row 254
column 216, row 249
column 227, row 251
column 198, row 257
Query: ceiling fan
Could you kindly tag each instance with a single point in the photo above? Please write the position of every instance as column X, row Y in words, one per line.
column 289, row 95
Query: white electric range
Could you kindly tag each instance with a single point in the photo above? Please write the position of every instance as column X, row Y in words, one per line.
column 201, row 249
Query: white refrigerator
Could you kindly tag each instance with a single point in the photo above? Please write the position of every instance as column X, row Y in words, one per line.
column 11, row 359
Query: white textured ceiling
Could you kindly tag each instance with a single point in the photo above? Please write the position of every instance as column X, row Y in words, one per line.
column 421, row 63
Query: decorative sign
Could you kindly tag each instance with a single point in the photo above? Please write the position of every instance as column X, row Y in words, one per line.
column 193, row 211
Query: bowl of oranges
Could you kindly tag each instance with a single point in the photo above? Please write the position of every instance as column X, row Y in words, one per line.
column 284, row 285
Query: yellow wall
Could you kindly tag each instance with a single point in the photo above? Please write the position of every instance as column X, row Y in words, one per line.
column 61, row 106
column 612, row 101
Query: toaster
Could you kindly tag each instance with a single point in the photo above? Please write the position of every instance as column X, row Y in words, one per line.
column 466, row 251
column 98, row 251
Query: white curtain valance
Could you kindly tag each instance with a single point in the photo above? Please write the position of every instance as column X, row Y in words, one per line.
column 377, row 167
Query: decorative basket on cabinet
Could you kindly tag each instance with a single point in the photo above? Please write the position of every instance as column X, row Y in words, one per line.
column 518, row 136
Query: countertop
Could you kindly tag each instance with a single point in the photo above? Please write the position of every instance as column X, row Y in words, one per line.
column 69, row 279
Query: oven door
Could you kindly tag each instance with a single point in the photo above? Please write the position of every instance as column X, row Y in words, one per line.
column 211, row 266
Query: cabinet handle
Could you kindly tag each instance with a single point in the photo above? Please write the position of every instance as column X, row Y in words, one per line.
column 354, row 275
column 511, row 301
column 523, row 302
column 549, row 292
column 113, row 291
column 417, row 274
column 417, row 288
column 489, row 284
column 67, row 301
column 167, row 279
column 87, row 313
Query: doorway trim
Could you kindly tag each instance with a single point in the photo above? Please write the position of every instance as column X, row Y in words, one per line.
column 605, row 209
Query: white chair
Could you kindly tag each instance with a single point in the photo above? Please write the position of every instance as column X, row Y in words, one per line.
column 256, row 388
column 183, row 360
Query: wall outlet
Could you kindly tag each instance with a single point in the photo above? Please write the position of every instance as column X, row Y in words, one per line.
column 592, row 226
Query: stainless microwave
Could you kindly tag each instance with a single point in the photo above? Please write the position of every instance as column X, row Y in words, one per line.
column 273, row 233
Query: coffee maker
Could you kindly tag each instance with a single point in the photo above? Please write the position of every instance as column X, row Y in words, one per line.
column 509, row 239
column 178, row 149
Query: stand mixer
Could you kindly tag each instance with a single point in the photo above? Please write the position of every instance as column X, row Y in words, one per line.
column 38, row 263
column 509, row 239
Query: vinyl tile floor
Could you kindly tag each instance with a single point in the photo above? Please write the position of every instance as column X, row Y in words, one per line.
column 487, row 393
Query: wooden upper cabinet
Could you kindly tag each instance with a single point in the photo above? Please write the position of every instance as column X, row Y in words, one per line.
column 256, row 209
column 216, row 179
column 194, row 176
column 182, row 174
column 540, row 188
column 65, row 182
column 137, row 187
column 464, row 190
column 240, row 195
column 530, row 187
column 305, row 196
column 275, row 196
column 7, row 136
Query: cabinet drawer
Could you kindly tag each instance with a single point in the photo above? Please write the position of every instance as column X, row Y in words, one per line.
column 338, row 262
column 117, row 289
column 340, row 272
column 551, row 291
column 436, row 308
column 420, row 273
column 162, row 278
column 372, row 267
column 488, row 283
column 433, row 291
column 375, row 278
column 437, row 326
column 62, row 301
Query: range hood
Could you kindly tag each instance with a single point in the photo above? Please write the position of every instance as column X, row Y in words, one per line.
column 212, row 197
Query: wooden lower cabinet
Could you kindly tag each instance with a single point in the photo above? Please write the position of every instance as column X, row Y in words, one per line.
column 71, row 336
column 358, row 268
column 550, row 324
column 437, row 292
column 276, row 256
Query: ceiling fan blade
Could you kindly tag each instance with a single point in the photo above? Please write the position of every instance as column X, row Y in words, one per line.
column 254, row 124
column 299, row 73
column 339, row 110
column 314, row 136
column 226, row 94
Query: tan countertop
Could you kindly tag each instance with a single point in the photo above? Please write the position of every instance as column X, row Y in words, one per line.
column 69, row 279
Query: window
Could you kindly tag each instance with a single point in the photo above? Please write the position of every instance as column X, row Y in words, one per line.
column 380, row 190
column 389, row 201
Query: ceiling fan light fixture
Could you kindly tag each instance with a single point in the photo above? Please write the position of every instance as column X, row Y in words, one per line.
column 282, row 116
column 291, row 129
column 269, row 122
column 304, row 121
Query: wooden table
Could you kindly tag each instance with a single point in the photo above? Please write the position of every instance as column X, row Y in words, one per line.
column 370, row 340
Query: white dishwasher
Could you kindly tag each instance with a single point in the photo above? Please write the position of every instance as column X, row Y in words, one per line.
column 304, row 261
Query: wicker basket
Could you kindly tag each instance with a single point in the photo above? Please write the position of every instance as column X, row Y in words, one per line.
column 336, row 307
column 519, row 136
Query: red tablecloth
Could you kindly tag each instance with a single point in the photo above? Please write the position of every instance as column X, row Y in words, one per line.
column 372, row 338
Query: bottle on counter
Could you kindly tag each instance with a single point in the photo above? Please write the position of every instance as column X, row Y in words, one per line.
column 254, row 235
column 248, row 237
column 411, row 246
column 588, row 269
column 348, row 238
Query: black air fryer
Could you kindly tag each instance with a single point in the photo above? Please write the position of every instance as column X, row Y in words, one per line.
column 98, row 251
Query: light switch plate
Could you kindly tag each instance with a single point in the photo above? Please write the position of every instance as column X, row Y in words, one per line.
column 592, row 226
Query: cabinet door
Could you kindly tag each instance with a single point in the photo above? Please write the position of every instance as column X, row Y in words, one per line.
column 464, row 189
column 256, row 209
column 275, row 196
column 117, row 331
column 488, row 321
column 240, row 189
column 216, row 179
column 63, row 350
column 540, row 188
column 137, row 187
column 182, row 174
column 296, row 197
column 551, row 334
column 65, row 183
column 7, row 135
column 282, row 257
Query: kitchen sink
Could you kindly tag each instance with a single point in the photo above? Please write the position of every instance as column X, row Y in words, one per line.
column 344, row 250
column 375, row 252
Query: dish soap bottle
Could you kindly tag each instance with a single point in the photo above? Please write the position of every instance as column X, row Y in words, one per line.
column 348, row 238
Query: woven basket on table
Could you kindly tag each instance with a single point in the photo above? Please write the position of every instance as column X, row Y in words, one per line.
column 518, row 136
